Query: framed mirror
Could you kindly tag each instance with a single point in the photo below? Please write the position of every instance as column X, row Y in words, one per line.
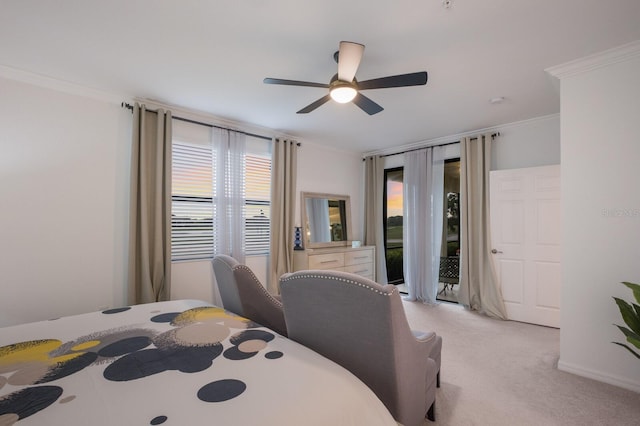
column 326, row 219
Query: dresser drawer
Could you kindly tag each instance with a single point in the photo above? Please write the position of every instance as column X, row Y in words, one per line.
column 360, row 260
column 326, row 261
column 358, row 257
column 364, row 269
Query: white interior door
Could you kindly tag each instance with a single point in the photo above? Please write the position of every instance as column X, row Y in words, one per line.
column 526, row 235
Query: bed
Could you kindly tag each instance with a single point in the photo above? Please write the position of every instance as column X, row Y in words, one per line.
column 172, row 363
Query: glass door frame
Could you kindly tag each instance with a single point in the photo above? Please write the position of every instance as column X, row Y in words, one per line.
column 384, row 226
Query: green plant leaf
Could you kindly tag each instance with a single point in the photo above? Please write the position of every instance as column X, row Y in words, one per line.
column 627, row 348
column 637, row 309
column 632, row 337
column 634, row 340
column 629, row 315
column 635, row 288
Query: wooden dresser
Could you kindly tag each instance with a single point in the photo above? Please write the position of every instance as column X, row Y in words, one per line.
column 360, row 260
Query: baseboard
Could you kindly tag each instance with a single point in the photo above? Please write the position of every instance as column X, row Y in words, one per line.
column 599, row 376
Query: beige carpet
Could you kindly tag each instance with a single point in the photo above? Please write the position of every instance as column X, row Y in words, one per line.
column 498, row 373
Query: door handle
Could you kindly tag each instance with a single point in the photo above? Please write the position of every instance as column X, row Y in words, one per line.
column 494, row 251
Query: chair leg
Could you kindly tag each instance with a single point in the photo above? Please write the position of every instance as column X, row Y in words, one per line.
column 438, row 379
column 431, row 414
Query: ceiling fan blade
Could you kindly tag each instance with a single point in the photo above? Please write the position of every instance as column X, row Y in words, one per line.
column 402, row 80
column 314, row 105
column 366, row 104
column 349, row 57
column 294, row 83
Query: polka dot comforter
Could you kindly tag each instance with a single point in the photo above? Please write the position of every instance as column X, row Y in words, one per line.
column 172, row 363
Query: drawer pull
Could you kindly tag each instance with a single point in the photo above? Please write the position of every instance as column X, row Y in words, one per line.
column 328, row 261
column 361, row 257
column 361, row 272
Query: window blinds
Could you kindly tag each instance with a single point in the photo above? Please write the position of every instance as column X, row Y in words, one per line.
column 195, row 201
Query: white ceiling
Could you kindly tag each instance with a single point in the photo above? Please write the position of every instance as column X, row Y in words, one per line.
column 212, row 56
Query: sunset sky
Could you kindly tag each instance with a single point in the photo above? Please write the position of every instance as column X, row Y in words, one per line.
column 394, row 198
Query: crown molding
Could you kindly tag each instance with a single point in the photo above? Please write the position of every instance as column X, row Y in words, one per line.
column 458, row 136
column 204, row 117
column 592, row 62
column 47, row 82
column 44, row 81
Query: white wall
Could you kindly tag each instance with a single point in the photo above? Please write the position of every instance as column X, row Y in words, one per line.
column 196, row 280
column 64, row 168
column 527, row 143
column 601, row 215
column 332, row 171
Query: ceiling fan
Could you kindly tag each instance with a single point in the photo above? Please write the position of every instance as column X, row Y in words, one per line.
column 344, row 87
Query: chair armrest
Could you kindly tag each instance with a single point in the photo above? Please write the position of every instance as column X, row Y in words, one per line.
column 424, row 336
column 434, row 344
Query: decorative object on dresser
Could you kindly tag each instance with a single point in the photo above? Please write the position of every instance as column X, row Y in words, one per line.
column 297, row 242
column 360, row 260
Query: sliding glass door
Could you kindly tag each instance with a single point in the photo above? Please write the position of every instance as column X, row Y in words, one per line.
column 392, row 213
column 393, row 226
column 450, row 251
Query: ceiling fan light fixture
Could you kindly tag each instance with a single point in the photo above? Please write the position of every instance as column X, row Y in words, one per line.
column 343, row 93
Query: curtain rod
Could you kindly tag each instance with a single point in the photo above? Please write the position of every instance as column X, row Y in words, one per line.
column 493, row 135
column 187, row 120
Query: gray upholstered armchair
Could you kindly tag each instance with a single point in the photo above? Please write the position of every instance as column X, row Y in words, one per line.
column 243, row 294
column 362, row 326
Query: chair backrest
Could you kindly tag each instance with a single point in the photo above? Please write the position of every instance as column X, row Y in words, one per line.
column 243, row 294
column 362, row 326
column 223, row 269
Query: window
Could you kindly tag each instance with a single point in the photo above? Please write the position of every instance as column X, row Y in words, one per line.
column 194, row 201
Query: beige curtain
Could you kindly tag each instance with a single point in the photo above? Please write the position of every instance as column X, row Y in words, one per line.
column 373, row 220
column 478, row 284
column 283, row 206
column 150, row 211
